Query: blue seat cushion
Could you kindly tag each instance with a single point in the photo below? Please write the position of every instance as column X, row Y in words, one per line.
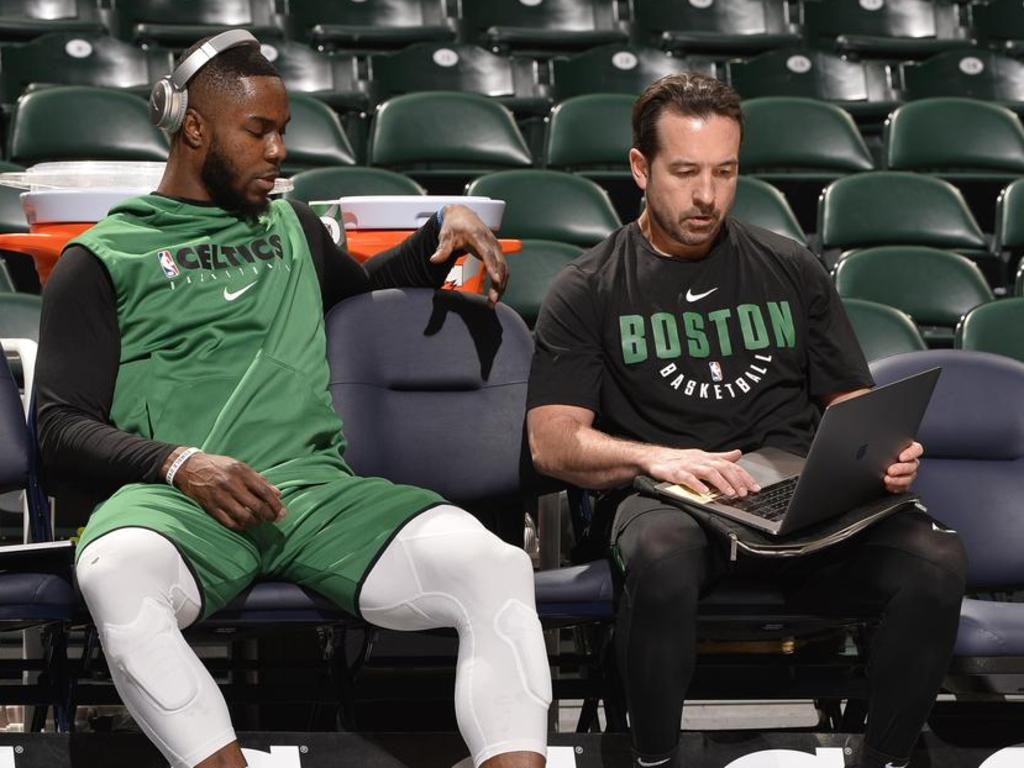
column 989, row 628
column 36, row 597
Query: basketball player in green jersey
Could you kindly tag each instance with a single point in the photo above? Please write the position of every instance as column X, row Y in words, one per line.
column 183, row 379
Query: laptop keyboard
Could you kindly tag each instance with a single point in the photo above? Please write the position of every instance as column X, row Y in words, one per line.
column 771, row 502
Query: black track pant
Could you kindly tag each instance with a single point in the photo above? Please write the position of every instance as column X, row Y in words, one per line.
column 904, row 570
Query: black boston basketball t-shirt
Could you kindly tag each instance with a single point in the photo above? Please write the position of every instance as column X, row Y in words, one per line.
column 729, row 351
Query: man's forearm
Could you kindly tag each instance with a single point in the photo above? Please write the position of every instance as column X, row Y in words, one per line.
column 586, row 457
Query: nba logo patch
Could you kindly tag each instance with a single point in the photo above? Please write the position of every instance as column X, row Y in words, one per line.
column 716, row 370
column 167, row 264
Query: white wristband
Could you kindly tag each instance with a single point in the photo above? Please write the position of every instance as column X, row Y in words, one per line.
column 182, row 458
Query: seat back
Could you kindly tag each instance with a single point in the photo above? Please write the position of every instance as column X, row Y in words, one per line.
column 549, row 205
column 934, row 287
column 999, row 23
column 1018, row 286
column 304, row 70
column 344, row 181
column 954, row 134
column 558, row 15
column 896, row 208
column 14, row 439
column 446, row 129
column 438, row 398
column 728, row 17
column 882, row 330
column 19, row 316
column 303, row 15
column 42, row 131
column 1009, row 234
column 996, row 327
column 975, row 74
column 759, row 203
column 12, row 215
column 782, row 132
column 972, row 473
column 71, row 58
column 590, row 132
column 534, row 267
column 441, row 67
column 802, row 72
column 824, row 22
column 315, row 136
column 618, row 69
column 22, row 20
column 179, row 23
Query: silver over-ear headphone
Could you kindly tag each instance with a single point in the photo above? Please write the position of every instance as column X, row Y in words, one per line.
column 169, row 98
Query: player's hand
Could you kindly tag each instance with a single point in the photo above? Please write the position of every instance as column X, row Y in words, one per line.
column 232, row 492
column 464, row 231
column 901, row 473
column 701, row 471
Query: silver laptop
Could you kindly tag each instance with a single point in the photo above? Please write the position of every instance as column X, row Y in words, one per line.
column 856, row 442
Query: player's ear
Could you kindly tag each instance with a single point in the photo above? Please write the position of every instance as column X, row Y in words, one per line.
column 639, row 167
column 193, row 129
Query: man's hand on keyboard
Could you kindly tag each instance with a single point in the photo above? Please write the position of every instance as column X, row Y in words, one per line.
column 700, row 470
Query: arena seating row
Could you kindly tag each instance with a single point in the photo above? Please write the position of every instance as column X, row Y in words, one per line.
column 897, row 28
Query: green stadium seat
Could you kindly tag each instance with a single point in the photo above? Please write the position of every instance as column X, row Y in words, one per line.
column 1008, row 241
column 41, row 129
column 12, row 215
column 591, row 133
column 346, row 181
column 179, row 23
column 532, row 269
column 897, row 29
column 999, row 25
column 314, row 136
column 734, row 27
column 70, row 58
column 1018, row 286
column 933, row 286
column 759, row 203
column 996, row 327
column 619, row 69
column 549, row 205
column 458, row 67
column 446, row 136
column 369, row 24
column 332, row 79
column 22, row 20
column 19, row 315
column 973, row 74
column 882, row 330
column 541, row 27
column 897, row 208
column 6, row 281
column 862, row 88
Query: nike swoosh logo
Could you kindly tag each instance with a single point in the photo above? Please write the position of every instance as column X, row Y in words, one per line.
column 691, row 296
column 232, row 295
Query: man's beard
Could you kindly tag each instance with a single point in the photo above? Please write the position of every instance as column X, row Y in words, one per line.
column 217, row 175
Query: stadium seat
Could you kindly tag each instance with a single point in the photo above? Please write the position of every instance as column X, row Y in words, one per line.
column 549, row 205
column 19, row 319
column 1008, row 242
column 1018, row 286
column 999, row 24
column 996, row 327
column 955, row 137
column 972, row 479
column 897, row 208
column 22, row 20
column 332, row 183
column 862, row 88
column 973, row 74
column 458, row 67
column 446, row 135
column 532, row 270
column 176, row 24
column 12, row 215
column 758, row 202
column 333, row 80
column 591, row 133
column 314, row 136
column 69, row 58
column 541, row 27
column 731, row 27
column 882, row 330
column 803, row 137
column 897, row 29
column 934, row 287
column 368, row 25
column 618, row 69
column 41, row 129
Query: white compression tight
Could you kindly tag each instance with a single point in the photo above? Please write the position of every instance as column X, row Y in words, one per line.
column 443, row 569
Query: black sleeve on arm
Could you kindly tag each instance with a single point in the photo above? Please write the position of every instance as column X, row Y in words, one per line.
column 568, row 357
column 76, row 370
column 835, row 361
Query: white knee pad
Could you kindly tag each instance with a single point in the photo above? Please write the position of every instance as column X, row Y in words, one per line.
column 140, row 593
column 444, row 569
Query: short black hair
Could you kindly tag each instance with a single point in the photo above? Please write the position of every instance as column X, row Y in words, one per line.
column 685, row 93
column 222, row 73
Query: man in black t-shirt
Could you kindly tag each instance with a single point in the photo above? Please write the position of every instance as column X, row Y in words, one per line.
column 681, row 341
